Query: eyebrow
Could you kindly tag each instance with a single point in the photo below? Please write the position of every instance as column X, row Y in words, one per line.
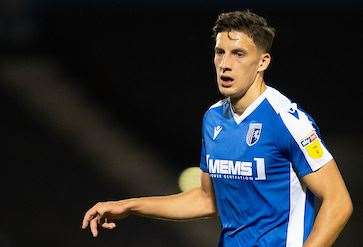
column 239, row 50
column 236, row 50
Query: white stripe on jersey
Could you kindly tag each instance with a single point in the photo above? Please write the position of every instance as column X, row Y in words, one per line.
column 295, row 228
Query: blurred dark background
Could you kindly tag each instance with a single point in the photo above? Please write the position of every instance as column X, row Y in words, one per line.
column 102, row 100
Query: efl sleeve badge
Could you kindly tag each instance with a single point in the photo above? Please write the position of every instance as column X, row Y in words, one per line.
column 312, row 145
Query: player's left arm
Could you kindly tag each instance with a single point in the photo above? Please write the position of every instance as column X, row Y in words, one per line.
column 336, row 206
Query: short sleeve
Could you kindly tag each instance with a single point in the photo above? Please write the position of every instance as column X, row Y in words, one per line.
column 203, row 163
column 305, row 149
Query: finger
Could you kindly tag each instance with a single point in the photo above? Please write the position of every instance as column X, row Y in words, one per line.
column 110, row 225
column 90, row 214
column 93, row 226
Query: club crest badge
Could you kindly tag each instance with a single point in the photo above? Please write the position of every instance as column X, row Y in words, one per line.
column 253, row 133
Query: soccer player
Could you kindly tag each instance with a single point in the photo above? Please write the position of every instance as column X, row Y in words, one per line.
column 262, row 158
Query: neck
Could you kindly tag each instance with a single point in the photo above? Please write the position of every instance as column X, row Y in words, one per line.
column 253, row 92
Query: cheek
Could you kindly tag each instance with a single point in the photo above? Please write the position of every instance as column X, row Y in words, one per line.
column 246, row 68
column 216, row 61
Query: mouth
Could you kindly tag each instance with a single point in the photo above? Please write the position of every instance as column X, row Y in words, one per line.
column 227, row 81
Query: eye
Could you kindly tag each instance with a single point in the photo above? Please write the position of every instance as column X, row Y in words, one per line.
column 240, row 54
column 219, row 52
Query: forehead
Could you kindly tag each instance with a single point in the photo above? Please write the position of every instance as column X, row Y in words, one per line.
column 234, row 39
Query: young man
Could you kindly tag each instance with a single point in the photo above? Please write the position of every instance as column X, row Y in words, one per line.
column 262, row 158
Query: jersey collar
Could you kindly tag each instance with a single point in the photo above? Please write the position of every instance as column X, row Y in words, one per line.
column 239, row 118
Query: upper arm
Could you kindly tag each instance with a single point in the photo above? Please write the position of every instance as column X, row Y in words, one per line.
column 327, row 182
column 206, row 185
column 207, row 193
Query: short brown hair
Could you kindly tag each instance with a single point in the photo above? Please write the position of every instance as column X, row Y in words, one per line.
column 253, row 25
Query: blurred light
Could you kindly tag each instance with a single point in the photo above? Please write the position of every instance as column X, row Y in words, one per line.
column 189, row 178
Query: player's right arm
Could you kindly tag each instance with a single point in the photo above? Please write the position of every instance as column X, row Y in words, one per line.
column 196, row 203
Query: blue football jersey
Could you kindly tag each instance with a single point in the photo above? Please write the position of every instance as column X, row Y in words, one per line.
column 255, row 162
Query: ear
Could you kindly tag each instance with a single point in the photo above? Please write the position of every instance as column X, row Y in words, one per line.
column 265, row 60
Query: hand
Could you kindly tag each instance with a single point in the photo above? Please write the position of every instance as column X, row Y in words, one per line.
column 104, row 214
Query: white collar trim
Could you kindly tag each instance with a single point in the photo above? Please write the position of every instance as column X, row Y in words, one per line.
column 238, row 119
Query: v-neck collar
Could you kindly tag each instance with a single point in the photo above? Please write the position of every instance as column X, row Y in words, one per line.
column 238, row 119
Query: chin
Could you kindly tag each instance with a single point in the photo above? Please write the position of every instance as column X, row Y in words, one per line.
column 231, row 92
column 227, row 92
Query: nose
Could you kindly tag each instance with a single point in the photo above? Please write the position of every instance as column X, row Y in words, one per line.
column 225, row 63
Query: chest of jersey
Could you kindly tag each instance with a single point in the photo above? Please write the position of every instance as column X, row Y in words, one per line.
column 244, row 151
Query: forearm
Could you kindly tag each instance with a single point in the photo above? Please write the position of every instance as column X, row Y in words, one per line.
column 188, row 205
column 330, row 221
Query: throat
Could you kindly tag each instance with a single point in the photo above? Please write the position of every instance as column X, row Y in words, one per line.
column 241, row 104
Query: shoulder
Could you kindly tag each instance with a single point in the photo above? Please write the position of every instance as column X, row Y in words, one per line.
column 298, row 123
column 279, row 102
column 301, row 137
column 219, row 108
column 220, row 105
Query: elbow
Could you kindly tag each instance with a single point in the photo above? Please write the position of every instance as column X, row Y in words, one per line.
column 346, row 208
column 341, row 207
column 349, row 209
column 211, row 209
